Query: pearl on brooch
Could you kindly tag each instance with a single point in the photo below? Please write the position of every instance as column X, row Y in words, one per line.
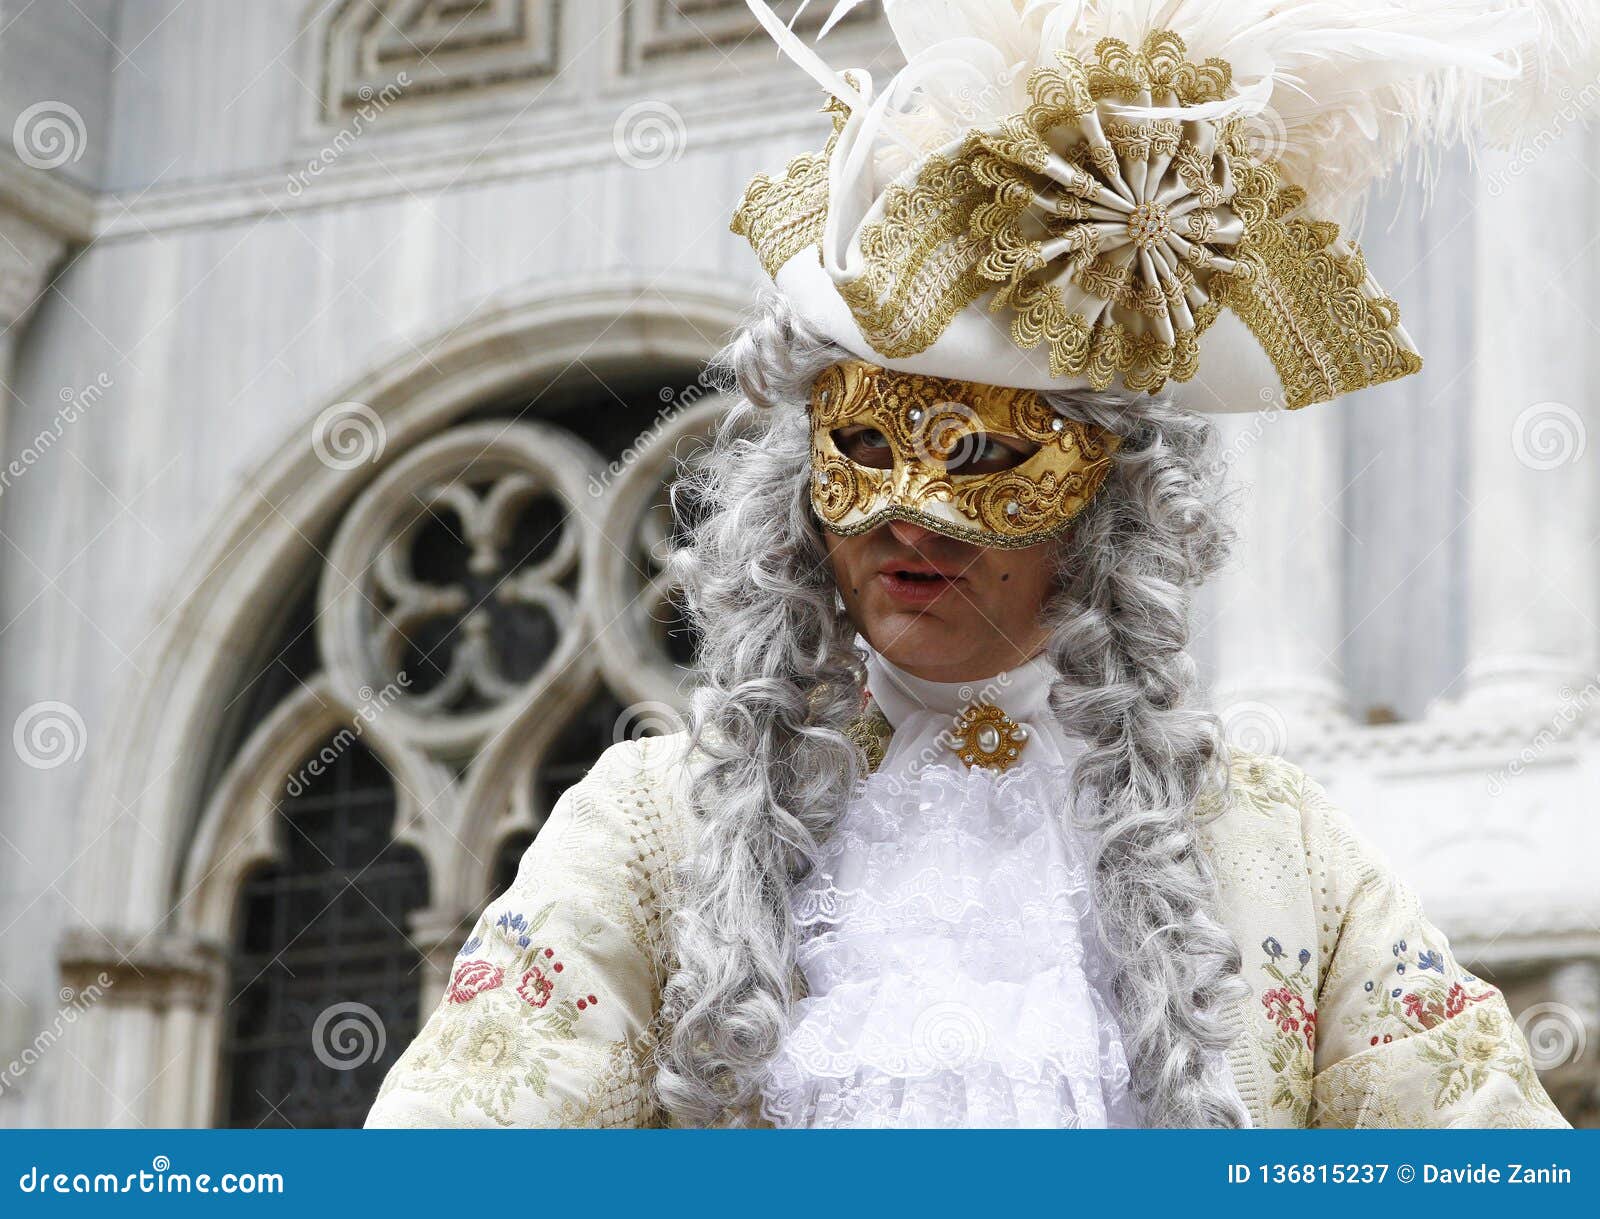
column 986, row 736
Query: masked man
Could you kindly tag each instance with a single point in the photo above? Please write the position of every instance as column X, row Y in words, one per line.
column 952, row 840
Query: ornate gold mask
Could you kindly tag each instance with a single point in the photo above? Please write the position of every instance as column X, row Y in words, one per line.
column 925, row 429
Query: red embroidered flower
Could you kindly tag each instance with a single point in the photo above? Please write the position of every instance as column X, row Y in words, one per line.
column 1289, row 1012
column 1431, row 1010
column 535, row 988
column 473, row 978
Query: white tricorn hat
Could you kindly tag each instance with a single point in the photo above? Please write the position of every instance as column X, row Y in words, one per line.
column 1060, row 194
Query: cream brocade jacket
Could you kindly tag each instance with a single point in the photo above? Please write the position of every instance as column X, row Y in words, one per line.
column 1359, row 1016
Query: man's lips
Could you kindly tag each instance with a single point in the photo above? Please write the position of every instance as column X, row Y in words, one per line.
column 917, row 583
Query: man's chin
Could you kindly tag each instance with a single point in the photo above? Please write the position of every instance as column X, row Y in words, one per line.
column 912, row 639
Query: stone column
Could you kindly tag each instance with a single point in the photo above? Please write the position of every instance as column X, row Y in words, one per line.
column 41, row 218
column 1535, row 585
column 144, row 1047
column 437, row 933
column 1272, row 620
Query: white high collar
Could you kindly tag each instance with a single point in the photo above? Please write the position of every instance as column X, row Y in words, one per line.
column 920, row 710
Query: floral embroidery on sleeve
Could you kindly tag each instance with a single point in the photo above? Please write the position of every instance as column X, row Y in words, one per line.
column 485, row 1050
column 534, row 968
column 1290, row 1007
column 1468, row 1053
column 1424, row 989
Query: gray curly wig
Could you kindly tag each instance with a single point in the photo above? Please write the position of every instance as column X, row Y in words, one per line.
column 780, row 679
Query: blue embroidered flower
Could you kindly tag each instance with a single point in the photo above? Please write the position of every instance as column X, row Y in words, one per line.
column 1427, row 959
column 1369, row 986
column 1395, row 993
column 1305, row 956
column 517, row 924
column 470, row 947
column 1272, row 948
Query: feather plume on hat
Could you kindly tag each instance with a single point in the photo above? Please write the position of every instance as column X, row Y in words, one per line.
column 1067, row 193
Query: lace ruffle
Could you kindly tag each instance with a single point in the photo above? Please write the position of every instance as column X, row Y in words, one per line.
column 954, row 974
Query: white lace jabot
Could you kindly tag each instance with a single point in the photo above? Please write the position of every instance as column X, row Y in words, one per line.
column 953, row 972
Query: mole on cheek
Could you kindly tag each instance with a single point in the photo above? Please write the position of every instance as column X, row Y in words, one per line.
column 1005, row 576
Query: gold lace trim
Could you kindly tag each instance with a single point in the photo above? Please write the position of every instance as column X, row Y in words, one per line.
column 1307, row 297
column 782, row 216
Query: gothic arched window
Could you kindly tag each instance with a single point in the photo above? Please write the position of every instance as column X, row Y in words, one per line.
column 486, row 616
column 323, row 969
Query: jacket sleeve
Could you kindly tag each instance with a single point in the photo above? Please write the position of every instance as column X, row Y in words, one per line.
column 549, row 1015
column 1405, row 1037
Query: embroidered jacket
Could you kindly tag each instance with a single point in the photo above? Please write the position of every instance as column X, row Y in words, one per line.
column 1359, row 1015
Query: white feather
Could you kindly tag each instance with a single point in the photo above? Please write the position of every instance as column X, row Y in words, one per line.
column 1357, row 86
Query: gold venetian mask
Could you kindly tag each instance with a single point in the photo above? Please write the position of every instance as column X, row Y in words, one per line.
column 980, row 463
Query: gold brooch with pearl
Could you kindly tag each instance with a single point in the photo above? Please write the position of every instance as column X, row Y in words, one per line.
column 987, row 736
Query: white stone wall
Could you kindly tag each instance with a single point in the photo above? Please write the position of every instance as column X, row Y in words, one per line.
column 223, row 296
